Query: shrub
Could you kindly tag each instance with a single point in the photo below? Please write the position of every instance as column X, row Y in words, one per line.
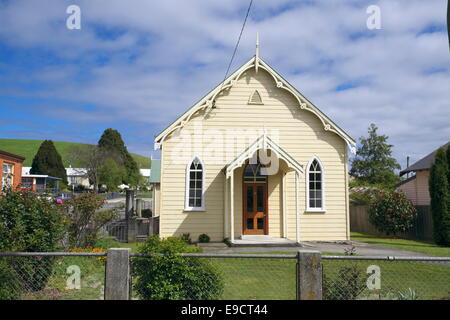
column 186, row 237
column 391, row 212
column 30, row 223
column 203, row 238
column 9, row 283
column 170, row 276
column 85, row 218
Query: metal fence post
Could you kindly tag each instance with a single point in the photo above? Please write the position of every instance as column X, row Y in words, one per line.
column 118, row 274
column 309, row 275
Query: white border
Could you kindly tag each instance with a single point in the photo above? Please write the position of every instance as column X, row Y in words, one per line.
column 323, row 208
column 187, row 183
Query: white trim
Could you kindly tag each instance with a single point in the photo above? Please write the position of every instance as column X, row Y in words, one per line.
column 263, row 143
column 232, row 208
column 187, row 186
column 297, row 211
column 322, row 169
column 208, row 101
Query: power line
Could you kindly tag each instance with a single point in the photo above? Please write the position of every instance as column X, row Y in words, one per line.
column 237, row 44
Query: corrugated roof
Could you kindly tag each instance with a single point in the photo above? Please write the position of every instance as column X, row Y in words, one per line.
column 424, row 163
column 155, row 175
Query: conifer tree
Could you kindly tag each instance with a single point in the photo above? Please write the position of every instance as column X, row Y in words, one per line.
column 111, row 142
column 439, row 193
column 48, row 161
column 373, row 163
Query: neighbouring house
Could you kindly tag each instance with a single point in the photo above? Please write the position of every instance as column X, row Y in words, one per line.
column 146, row 173
column 155, row 184
column 10, row 170
column 40, row 183
column 78, row 178
column 416, row 186
column 255, row 161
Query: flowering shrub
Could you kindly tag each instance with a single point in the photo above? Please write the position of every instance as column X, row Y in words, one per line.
column 392, row 212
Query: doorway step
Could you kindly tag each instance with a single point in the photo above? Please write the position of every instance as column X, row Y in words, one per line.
column 262, row 241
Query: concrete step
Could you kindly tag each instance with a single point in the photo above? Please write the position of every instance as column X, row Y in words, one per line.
column 256, row 238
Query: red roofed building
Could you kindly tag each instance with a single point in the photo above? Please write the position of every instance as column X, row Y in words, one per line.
column 10, row 170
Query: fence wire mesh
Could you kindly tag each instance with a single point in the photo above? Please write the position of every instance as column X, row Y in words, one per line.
column 219, row 278
column 52, row 277
column 81, row 276
column 348, row 279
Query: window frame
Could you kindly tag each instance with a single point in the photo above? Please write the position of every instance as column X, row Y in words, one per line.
column 7, row 175
column 322, row 171
column 188, row 183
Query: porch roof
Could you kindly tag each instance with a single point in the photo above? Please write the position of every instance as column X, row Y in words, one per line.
column 265, row 143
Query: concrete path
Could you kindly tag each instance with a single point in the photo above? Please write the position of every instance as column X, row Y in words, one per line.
column 361, row 248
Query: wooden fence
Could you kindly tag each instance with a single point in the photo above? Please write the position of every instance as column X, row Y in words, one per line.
column 422, row 229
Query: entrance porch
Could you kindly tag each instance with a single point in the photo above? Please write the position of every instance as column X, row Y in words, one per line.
column 256, row 191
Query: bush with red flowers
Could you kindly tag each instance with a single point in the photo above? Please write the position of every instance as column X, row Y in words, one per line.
column 391, row 212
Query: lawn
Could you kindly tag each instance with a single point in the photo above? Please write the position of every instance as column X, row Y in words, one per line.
column 29, row 148
column 424, row 247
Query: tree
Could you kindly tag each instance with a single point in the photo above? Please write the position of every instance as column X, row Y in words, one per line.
column 48, row 161
column 373, row 164
column 111, row 174
column 112, row 143
column 90, row 158
column 438, row 184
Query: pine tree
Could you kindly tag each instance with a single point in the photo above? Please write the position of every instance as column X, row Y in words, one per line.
column 112, row 143
column 48, row 161
column 439, row 193
column 373, row 163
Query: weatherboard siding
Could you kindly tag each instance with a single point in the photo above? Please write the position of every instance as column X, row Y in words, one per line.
column 300, row 133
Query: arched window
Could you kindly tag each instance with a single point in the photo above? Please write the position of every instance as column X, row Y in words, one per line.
column 315, row 186
column 195, row 183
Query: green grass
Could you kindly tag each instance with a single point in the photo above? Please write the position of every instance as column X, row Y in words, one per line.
column 29, row 148
column 92, row 274
column 424, row 247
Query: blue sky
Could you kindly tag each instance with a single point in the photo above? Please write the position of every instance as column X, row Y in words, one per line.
column 136, row 65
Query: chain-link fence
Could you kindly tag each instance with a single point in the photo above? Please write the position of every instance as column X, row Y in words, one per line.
column 52, row 276
column 81, row 276
column 389, row 278
column 206, row 276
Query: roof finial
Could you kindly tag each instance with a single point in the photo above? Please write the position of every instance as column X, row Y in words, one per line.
column 257, row 52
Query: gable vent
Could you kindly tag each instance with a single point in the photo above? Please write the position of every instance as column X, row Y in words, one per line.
column 255, row 98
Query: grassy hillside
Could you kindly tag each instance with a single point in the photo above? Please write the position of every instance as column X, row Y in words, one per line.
column 28, row 149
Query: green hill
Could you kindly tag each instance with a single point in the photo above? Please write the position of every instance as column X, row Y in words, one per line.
column 28, row 149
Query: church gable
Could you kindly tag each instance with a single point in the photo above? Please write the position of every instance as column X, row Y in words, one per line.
column 273, row 83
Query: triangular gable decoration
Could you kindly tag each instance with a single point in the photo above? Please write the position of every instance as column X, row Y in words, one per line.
column 255, row 98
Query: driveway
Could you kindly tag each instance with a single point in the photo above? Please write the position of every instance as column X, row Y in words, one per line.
column 361, row 248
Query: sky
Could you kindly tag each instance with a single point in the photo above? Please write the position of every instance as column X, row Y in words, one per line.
column 135, row 66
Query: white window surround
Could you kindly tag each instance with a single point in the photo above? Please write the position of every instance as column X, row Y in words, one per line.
column 308, row 208
column 187, row 186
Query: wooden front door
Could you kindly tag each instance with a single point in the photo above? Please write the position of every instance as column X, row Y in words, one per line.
column 255, row 208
